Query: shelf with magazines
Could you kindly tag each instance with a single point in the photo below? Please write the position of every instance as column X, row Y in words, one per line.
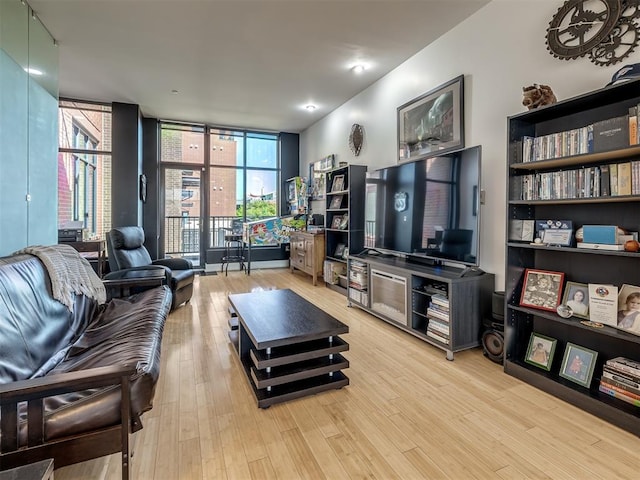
column 595, row 183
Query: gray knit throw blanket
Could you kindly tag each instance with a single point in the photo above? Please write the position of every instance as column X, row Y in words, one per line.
column 69, row 272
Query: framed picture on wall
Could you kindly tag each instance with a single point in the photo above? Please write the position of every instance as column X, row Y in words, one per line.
column 432, row 123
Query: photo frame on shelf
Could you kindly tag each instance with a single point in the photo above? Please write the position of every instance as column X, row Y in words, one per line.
column 432, row 123
column 335, row 222
column 541, row 289
column 339, row 250
column 344, row 222
column 629, row 309
column 345, row 253
column 578, row 364
column 576, row 297
column 317, row 176
column 336, row 201
column 338, row 183
column 541, row 350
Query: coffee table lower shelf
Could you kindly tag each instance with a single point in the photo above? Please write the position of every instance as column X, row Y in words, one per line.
column 277, row 389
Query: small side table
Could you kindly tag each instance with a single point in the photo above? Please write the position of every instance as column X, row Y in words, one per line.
column 42, row 470
column 92, row 247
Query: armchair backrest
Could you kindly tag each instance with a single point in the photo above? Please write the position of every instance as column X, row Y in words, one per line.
column 126, row 249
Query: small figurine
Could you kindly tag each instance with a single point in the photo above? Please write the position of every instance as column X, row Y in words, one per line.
column 537, row 95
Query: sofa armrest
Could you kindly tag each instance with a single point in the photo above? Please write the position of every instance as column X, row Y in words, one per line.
column 47, row 386
column 123, row 283
column 35, row 390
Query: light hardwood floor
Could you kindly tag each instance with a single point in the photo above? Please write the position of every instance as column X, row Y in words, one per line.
column 408, row 412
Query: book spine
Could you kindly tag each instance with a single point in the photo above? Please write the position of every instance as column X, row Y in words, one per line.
column 437, row 315
column 633, row 125
column 628, row 366
column 621, row 390
column 437, row 337
column 605, row 185
column 618, row 395
column 619, row 384
column 634, row 380
column 438, row 328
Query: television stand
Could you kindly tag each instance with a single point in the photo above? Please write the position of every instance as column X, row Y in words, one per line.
column 438, row 304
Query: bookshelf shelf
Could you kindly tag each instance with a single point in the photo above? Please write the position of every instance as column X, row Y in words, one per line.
column 579, row 265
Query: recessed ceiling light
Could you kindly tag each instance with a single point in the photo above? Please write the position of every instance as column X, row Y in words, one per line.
column 310, row 107
column 359, row 68
column 33, row 71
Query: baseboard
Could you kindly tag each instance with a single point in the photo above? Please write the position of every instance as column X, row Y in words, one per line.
column 215, row 267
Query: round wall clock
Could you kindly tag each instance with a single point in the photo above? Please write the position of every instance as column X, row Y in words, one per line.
column 606, row 30
column 356, row 139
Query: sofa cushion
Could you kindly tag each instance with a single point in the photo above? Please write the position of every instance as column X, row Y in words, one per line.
column 32, row 348
column 127, row 332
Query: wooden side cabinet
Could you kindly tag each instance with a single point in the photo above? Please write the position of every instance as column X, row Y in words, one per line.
column 307, row 253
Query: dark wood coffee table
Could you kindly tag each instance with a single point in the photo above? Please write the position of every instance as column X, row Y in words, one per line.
column 288, row 347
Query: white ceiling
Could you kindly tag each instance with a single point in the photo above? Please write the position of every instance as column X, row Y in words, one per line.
column 242, row 63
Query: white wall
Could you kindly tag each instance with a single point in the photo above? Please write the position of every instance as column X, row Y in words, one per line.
column 499, row 49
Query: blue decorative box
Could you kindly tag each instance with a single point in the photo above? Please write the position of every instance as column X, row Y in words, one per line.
column 607, row 234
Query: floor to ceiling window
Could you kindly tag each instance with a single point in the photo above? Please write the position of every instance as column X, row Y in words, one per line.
column 214, row 179
column 84, row 167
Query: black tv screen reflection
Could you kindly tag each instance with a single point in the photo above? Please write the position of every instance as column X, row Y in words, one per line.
column 427, row 208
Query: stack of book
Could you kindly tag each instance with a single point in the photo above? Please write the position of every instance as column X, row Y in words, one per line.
column 438, row 315
column 611, row 180
column 621, row 379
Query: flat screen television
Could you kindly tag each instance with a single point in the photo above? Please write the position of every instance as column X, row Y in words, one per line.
column 426, row 209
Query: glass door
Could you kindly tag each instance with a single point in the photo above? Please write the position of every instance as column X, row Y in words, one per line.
column 183, row 225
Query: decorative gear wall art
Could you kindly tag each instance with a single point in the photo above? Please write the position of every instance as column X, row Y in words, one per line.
column 605, row 30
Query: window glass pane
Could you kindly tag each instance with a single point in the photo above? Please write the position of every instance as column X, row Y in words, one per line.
column 262, row 150
column 182, row 213
column 227, row 148
column 262, row 194
column 84, row 126
column 226, row 197
column 84, row 170
column 182, row 143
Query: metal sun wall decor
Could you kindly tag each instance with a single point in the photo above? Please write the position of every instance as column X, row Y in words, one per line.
column 356, row 139
column 605, row 30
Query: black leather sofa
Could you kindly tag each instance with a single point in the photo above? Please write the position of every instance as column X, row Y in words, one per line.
column 73, row 384
column 125, row 246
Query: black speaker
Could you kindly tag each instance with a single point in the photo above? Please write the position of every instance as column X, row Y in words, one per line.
column 497, row 306
column 493, row 345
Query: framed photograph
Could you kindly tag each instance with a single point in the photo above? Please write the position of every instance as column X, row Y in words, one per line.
column 540, row 351
column 344, row 222
column 576, row 296
column 339, row 250
column 335, row 222
column 336, row 201
column 541, row 289
column 338, row 183
column 317, row 176
column 629, row 309
column 578, row 364
column 345, row 254
column 432, row 123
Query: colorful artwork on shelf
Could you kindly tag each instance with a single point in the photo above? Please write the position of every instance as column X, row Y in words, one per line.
column 272, row 231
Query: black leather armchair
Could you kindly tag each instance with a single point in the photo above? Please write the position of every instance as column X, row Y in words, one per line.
column 125, row 246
